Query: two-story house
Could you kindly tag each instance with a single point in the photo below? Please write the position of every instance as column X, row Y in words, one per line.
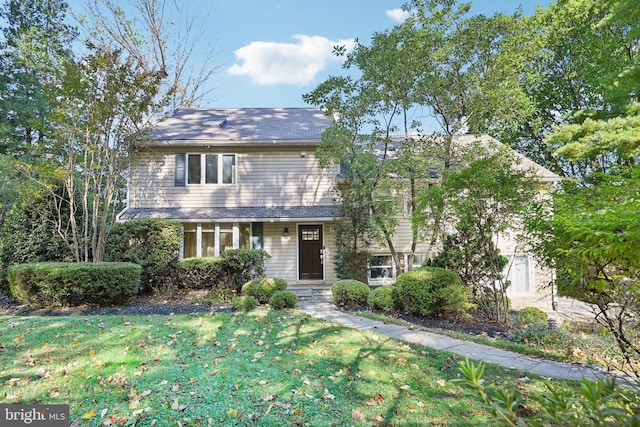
column 241, row 178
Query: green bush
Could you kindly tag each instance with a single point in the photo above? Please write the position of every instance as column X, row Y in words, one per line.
column 244, row 265
column 531, row 315
column 542, row 335
column 350, row 293
column 263, row 289
column 283, row 299
column 27, row 235
column 383, row 299
column 152, row 243
column 246, row 303
column 58, row 283
column 205, row 273
column 597, row 403
column 431, row 291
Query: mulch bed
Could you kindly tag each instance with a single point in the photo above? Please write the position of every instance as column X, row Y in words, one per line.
column 185, row 302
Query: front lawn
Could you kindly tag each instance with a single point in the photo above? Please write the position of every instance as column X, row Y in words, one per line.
column 267, row 368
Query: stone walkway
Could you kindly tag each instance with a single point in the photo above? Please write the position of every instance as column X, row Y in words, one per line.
column 484, row 353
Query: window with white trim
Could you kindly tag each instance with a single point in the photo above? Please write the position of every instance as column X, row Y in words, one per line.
column 197, row 168
column 211, row 239
column 381, row 267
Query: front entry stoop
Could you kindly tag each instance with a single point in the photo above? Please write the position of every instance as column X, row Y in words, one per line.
column 307, row 293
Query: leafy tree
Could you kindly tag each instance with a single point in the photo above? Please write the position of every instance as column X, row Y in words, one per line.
column 99, row 121
column 487, row 197
column 35, row 41
column 571, row 55
column 438, row 60
column 593, row 236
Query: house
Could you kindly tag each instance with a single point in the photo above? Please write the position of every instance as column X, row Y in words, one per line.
column 248, row 178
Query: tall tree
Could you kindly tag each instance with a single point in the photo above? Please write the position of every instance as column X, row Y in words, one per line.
column 439, row 61
column 103, row 107
column 593, row 236
column 162, row 37
column 574, row 54
column 35, row 42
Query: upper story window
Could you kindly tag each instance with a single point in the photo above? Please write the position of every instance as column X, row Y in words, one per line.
column 194, row 168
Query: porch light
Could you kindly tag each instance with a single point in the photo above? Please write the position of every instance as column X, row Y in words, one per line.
column 285, row 232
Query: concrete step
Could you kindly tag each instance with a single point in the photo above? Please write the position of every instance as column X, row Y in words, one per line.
column 309, row 293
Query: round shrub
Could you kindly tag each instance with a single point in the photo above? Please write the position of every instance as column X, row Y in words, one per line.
column 62, row 283
column 283, row 299
column 383, row 299
column 542, row 335
column 531, row 315
column 262, row 289
column 244, row 303
column 431, row 291
column 350, row 293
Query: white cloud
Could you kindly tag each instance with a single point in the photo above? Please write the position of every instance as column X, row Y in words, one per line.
column 270, row 63
column 398, row 15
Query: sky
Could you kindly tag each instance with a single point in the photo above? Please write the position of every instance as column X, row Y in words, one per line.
column 270, row 52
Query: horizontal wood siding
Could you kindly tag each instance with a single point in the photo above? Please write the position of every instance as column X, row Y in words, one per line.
column 266, row 178
column 283, row 250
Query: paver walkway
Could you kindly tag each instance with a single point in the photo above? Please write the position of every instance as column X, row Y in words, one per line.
column 485, row 353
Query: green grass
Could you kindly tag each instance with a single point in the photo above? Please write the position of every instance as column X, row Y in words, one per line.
column 267, row 368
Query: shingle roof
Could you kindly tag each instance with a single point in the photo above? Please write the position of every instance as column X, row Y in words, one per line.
column 242, row 124
column 275, row 213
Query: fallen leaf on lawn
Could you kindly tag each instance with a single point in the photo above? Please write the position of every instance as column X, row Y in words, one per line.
column 377, row 399
column 89, row 414
column 146, row 393
column 327, row 396
column 175, row 404
column 306, row 381
column 441, row 383
column 104, row 412
column 414, row 366
column 404, row 387
column 356, row 415
column 233, row 413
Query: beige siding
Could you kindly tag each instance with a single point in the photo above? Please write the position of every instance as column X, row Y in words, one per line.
column 283, row 251
column 267, row 178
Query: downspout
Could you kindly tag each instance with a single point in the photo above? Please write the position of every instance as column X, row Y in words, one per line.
column 126, row 203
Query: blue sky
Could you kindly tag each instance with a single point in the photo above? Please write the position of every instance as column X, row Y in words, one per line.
column 270, row 52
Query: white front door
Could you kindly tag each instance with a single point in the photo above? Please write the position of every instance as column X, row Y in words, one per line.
column 518, row 273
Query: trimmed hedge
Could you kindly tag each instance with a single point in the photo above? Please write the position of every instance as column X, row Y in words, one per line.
column 383, row 299
column 431, row 291
column 283, row 299
column 60, row 283
column 264, row 288
column 152, row 243
column 202, row 273
column 350, row 293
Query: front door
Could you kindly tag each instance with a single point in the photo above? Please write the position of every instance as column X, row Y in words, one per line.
column 310, row 252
